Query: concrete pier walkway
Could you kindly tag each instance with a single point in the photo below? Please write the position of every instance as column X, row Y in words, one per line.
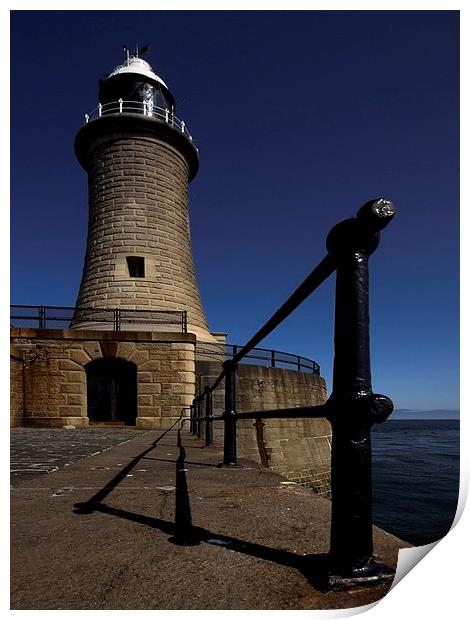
column 153, row 523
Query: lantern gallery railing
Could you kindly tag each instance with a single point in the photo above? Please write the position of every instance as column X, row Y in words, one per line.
column 352, row 407
column 147, row 108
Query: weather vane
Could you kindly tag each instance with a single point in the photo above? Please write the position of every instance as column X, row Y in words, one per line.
column 138, row 51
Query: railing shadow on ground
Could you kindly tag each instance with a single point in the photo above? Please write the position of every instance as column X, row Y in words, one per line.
column 314, row 567
column 90, row 506
column 182, row 532
column 151, row 458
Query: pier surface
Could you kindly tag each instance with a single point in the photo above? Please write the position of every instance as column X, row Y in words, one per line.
column 128, row 519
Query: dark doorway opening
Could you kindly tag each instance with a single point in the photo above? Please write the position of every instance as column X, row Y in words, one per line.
column 111, row 391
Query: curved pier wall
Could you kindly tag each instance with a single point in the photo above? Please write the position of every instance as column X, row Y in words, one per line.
column 297, row 448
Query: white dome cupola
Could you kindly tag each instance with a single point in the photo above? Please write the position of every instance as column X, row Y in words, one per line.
column 135, row 81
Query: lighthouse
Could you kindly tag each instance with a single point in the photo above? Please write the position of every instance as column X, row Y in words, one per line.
column 140, row 158
column 141, row 370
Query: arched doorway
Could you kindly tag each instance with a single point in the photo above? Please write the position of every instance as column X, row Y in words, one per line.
column 111, row 392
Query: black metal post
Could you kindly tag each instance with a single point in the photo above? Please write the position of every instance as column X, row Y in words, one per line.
column 42, row 317
column 209, row 423
column 230, row 420
column 198, row 418
column 191, row 418
column 117, row 319
column 354, row 407
column 194, row 406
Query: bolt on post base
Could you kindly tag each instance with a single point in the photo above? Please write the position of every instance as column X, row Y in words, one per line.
column 373, row 574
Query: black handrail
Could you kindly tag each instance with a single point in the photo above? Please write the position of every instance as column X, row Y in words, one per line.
column 349, row 245
column 311, row 282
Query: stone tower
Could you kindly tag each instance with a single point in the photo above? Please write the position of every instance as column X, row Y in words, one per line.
column 140, row 159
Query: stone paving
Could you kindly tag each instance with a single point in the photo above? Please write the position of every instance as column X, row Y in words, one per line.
column 35, row 451
column 153, row 523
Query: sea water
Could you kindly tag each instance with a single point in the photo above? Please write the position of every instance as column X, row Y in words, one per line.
column 415, row 477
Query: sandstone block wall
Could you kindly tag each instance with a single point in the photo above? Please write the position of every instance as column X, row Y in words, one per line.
column 275, row 388
column 299, row 449
column 16, row 388
column 55, row 378
column 138, row 207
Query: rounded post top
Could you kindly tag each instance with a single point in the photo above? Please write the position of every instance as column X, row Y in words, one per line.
column 376, row 214
column 362, row 233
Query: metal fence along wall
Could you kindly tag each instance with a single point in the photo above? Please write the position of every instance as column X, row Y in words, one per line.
column 65, row 317
column 257, row 357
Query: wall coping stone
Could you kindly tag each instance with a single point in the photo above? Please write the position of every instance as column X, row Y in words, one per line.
column 94, row 334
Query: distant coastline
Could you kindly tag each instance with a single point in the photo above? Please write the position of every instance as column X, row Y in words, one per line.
column 431, row 414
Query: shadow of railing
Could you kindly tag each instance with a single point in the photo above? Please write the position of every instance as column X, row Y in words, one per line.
column 182, row 532
column 90, row 506
column 314, row 567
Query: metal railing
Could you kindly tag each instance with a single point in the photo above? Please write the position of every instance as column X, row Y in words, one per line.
column 139, row 107
column 257, row 357
column 66, row 317
column 352, row 407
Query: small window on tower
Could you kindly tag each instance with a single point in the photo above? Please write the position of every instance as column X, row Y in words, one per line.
column 136, row 266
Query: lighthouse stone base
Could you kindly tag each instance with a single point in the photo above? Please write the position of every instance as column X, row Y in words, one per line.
column 49, row 369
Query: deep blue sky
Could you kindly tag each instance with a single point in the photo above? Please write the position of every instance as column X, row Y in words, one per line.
column 300, row 118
